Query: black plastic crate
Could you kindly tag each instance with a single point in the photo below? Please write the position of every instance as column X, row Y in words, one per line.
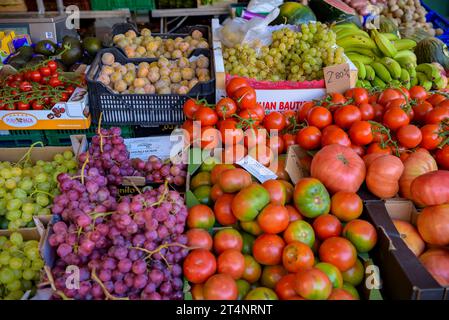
column 141, row 109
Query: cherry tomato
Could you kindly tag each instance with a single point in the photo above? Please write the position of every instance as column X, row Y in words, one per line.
column 18, row 77
column 10, row 106
column 435, row 99
column 52, row 65
column 376, row 147
column 359, row 95
column 437, row 114
column 251, row 115
column 366, row 111
column 418, row 93
column 361, row 133
column 335, row 135
column 25, row 86
column 22, row 105
column 421, row 110
column 234, row 84
column 319, row 117
column 409, row 136
column 207, row 116
column 230, row 132
column 304, row 111
column 388, row 95
column 36, row 105
column 289, row 140
column 442, row 157
column 64, row 97
column 35, row 76
column 45, row 80
column 69, row 90
column 345, row 116
column 274, row 121
column 430, row 137
column 225, row 108
column 245, row 97
column 45, row 71
column 395, row 117
column 190, row 107
column 55, row 82
column 309, row 138
column 290, row 118
column 399, row 102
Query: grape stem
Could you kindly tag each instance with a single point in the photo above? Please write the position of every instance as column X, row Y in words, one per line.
column 44, row 192
column 27, row 156
column 158, row 249
column 108, row 295
column 51, row 281
column 84, row 167
column 99, row 132
column 162, row 197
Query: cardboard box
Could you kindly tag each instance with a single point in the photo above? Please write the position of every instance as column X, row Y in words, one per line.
column 405, row 278
column 272, row 100
column 74, row 114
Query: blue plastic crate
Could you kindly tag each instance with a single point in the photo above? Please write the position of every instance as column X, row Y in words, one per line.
column 438, row 22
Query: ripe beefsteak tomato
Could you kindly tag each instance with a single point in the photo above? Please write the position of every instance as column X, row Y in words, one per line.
column 433, row 225
column 436, row 261
column 383, row 176
column 431, row 189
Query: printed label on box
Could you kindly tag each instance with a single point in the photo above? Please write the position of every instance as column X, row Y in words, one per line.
column 284, row 100
column 258, row 170
column 160, row 146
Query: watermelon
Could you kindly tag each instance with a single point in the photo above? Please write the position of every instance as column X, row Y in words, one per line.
column 336, row 11
column 294, row 13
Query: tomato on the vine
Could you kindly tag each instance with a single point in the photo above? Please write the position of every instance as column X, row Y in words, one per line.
column 409, row 136
column 69, row 90
column 435, row 99
column 373, row 97
column 304, row 111
column 190, row 107
column 366, row 111
column 276, row 144
column 234, row 84
column 255, row 136
column 55, row 82
column 418, row 93
column 430, row 137
column 437, row 114
column 21, row 105
column 290, row 118
column 395, row 117
column 388, row 95
column 335, row 135
column 333, row 101
column 319, row 117
column 35, row 76
column 245, row 97
column 345, row 116
column 25, row 86
column 442, row 157
column 309, row 138
column 52, row 65
column 377, row 147
column 230, row 132
column 45, row 80
column 398, row 102
column 274, row 121
column 45, row 71
column 361, row 133
column 37, row 105
column 421, row 109
column 225, row 108
column 289, row 140
column 207, row 116
column 358, row 95
column 64, row 97
column 210, row 137
column 250, row 117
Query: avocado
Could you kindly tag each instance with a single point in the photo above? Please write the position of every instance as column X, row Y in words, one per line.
column 92, row 45
column 26, row 52
column 71, row 56
column 45, row 47
column 17, row 62
column 71, row 41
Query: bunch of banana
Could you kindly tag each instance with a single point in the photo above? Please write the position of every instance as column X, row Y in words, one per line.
column 383, row 59
column 430, row 76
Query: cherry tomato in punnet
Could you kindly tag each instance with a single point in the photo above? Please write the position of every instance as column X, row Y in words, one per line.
column 245, row 97
column 366, row 111
column 274, row 121
column 437, row 115
column 359, row 95
column 225, row 108
column 309, row 138
column 36, row 105
column 190, row 107
column 409, row 136
column 335, row 135
column 418, row 93
column 319, row 117
column 22, row 105
column 395, row 117
column 430, row 136
column 345, row 116
column 361, row 133
column 234, row 84
column 207, row 116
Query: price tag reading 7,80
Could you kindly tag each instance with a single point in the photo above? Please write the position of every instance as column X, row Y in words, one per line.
column 337, row 78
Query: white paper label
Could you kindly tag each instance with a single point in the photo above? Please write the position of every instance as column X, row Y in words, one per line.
column 258, row 170
column 49, row 35
column 284, row 100
column 160, row 146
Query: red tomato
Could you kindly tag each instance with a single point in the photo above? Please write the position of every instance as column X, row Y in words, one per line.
column 231, row 262
column 430, row 137
column 359, row 95
column 409, row 136
column 207, row 116
column 296, row 255
column 304, row 111
column 345, row 116
column 220, row 287
column 289, row 140
column 366, row 111
column 210, row 138
column 199, row 239
column 276, row 144
column 271, row 275
column 55, row 82
column 25, row 86
column 333, row 100
column 267, row 249
column 36, row 105
column 199, row 265
column 230, row 132
column 346, row 206
column 290, row 118
column 309, row 138
column 327, row 226
column 437, row 115
column 234, row 84
column 227, row 239
column 252, row 118
column 190, row 107
column 338, row 251
column 200, row 216
column 399, row 102
column 358, row 149
column 35, row 76
column 378, row 112
column 225, row 108
column 418, row 93
column 388, row 95
column 188, row 128
column 263, row 154
column 395, row 117
column 69, row 90
column 335, row 135
column 255, row 136
column 274, row 121
column 421, row 110
column 273, row 218
column 253, row 270
column 233, row 153
column 45, row 71
column 222, row 210
column 319, row 117
column 373, row 97
column 376, row 147
column 361, row 133
column 313, row 284
column 22, row 105
column 53, row 66
column 442, row 157
column 435, row 99
column 293, row 213
column 245, row 97
column 285, row 287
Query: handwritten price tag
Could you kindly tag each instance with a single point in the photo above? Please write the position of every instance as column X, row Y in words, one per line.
column 337, row 78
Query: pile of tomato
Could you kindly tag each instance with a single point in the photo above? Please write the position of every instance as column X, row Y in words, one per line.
column 36, row 89
column 274, row 240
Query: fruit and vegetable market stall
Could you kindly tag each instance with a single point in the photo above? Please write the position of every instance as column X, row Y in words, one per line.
column 279, row 151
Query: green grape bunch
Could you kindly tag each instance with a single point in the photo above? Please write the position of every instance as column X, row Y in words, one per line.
column 294, row 55
column 28, row 189
column 20, row 266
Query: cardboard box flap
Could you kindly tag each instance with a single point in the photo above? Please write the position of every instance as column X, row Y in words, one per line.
column 294, row 164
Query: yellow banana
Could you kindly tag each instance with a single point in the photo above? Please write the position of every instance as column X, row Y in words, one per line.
column 362, row 51
column 390, row 36
column 360, row 58
column 392, row 66
column 356, row 41
column 370, row 73
column 404, row 44
column 383, row 44
column 361, row 70
column 348, row 32
column 382, row 72
column 341, row 26
column 406, row 58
